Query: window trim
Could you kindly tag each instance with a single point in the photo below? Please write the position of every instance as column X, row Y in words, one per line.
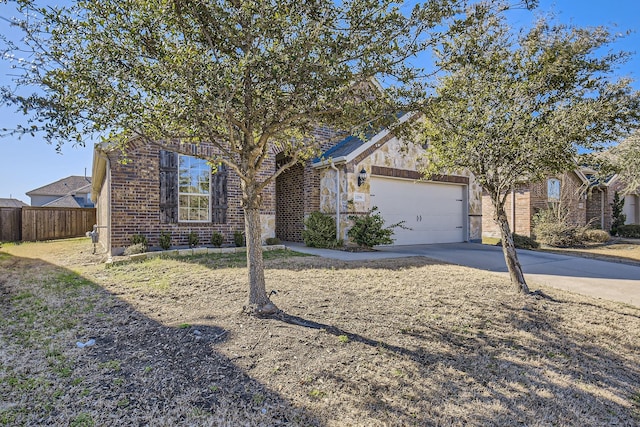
column 554, row 189
column 180, row 194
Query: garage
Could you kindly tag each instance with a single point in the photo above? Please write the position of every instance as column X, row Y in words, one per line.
column 434, row 212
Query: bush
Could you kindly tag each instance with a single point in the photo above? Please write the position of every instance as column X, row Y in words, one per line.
column 369, row 230
column 238, row 239
column 193, row 239
column 138, row 248
column 217, row 239
column 272, row 241
column 631, row 231
column 522, row 242
column 553, row 230
column 139, row 239
column 597, row 236
column 320, row 231
column 617, row 214
column 165, row 240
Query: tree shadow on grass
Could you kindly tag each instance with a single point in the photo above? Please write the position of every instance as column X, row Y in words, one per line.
column 495, row 379
column 136, row 372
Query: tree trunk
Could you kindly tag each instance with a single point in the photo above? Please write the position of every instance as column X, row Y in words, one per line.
column 259, row 303
column 509, row 251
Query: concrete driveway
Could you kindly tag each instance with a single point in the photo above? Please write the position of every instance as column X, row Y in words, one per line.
column 600, row 279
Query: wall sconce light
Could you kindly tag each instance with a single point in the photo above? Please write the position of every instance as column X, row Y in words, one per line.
column 362, row 177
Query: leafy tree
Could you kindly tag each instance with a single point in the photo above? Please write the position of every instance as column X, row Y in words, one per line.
column 251, row 77
column 513, row 107
column 626, row 160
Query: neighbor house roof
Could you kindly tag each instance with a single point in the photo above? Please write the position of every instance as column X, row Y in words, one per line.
column 67, row 201
column 64, row 186
column 12, row 203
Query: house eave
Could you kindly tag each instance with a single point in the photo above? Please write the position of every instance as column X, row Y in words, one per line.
column 328, row 162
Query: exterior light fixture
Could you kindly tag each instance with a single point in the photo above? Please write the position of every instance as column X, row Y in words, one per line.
column 362, row 177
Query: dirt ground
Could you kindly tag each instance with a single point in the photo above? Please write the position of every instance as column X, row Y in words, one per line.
column 392, row 342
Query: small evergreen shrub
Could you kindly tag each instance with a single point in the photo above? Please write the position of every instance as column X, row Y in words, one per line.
column 138, row 248
column 165, row 240
column 320, row 231
column 217, row 239
column 272, row 241
column 369, row 230
column 631, row 231
column 596, row 236
column 193, row 239
column 137, row 239
column 617, row 216
column 238, row 239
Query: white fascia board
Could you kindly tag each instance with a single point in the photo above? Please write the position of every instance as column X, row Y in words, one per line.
column 327, row 162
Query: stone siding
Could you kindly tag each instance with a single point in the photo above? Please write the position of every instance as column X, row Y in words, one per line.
column 389, row 157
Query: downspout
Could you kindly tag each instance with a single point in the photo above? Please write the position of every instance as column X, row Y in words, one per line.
column 602, row 209
column 333, row 166
column 108, row 177
column 513, row 210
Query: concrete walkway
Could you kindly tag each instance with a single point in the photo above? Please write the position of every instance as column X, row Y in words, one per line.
column 601, row 279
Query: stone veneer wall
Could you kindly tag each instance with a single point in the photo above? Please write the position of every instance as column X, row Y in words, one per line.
column 389, row 153
column 135, row 198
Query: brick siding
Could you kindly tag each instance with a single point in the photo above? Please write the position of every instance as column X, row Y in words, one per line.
column 531, row 198
column 135, row 198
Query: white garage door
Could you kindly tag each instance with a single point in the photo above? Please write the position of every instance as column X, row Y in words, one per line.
column 630, row 209
column 434, row 212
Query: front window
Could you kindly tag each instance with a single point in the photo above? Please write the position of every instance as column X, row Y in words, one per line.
column 553, row 190
column 194, row 180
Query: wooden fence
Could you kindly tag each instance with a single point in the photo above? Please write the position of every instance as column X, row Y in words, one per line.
column 37, row 223
column 10, row 224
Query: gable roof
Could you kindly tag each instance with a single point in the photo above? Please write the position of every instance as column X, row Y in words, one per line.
column 64, row 186
column 67, row 201
column 11, row 203
column 350, row 147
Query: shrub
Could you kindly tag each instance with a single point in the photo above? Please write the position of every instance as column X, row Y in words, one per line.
column 238, row 238
column 617, row 216
column 631, row 231
column 597, row 236
column 552, row 229
column 522, row 242
column 137, row 239
column 217, row 239
column 138, row 248
column 165, row 240
column 272, row 241
column 193, row 239
column 369, row 230
column 320, row 231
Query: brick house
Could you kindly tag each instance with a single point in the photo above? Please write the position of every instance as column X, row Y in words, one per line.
column 159, row 190
column 600, row 201
column 568, row 189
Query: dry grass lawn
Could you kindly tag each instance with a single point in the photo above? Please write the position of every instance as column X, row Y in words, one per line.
column 626, row 251
column 394, row 342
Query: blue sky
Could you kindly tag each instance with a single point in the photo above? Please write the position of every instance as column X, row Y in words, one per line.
column 30, row 163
